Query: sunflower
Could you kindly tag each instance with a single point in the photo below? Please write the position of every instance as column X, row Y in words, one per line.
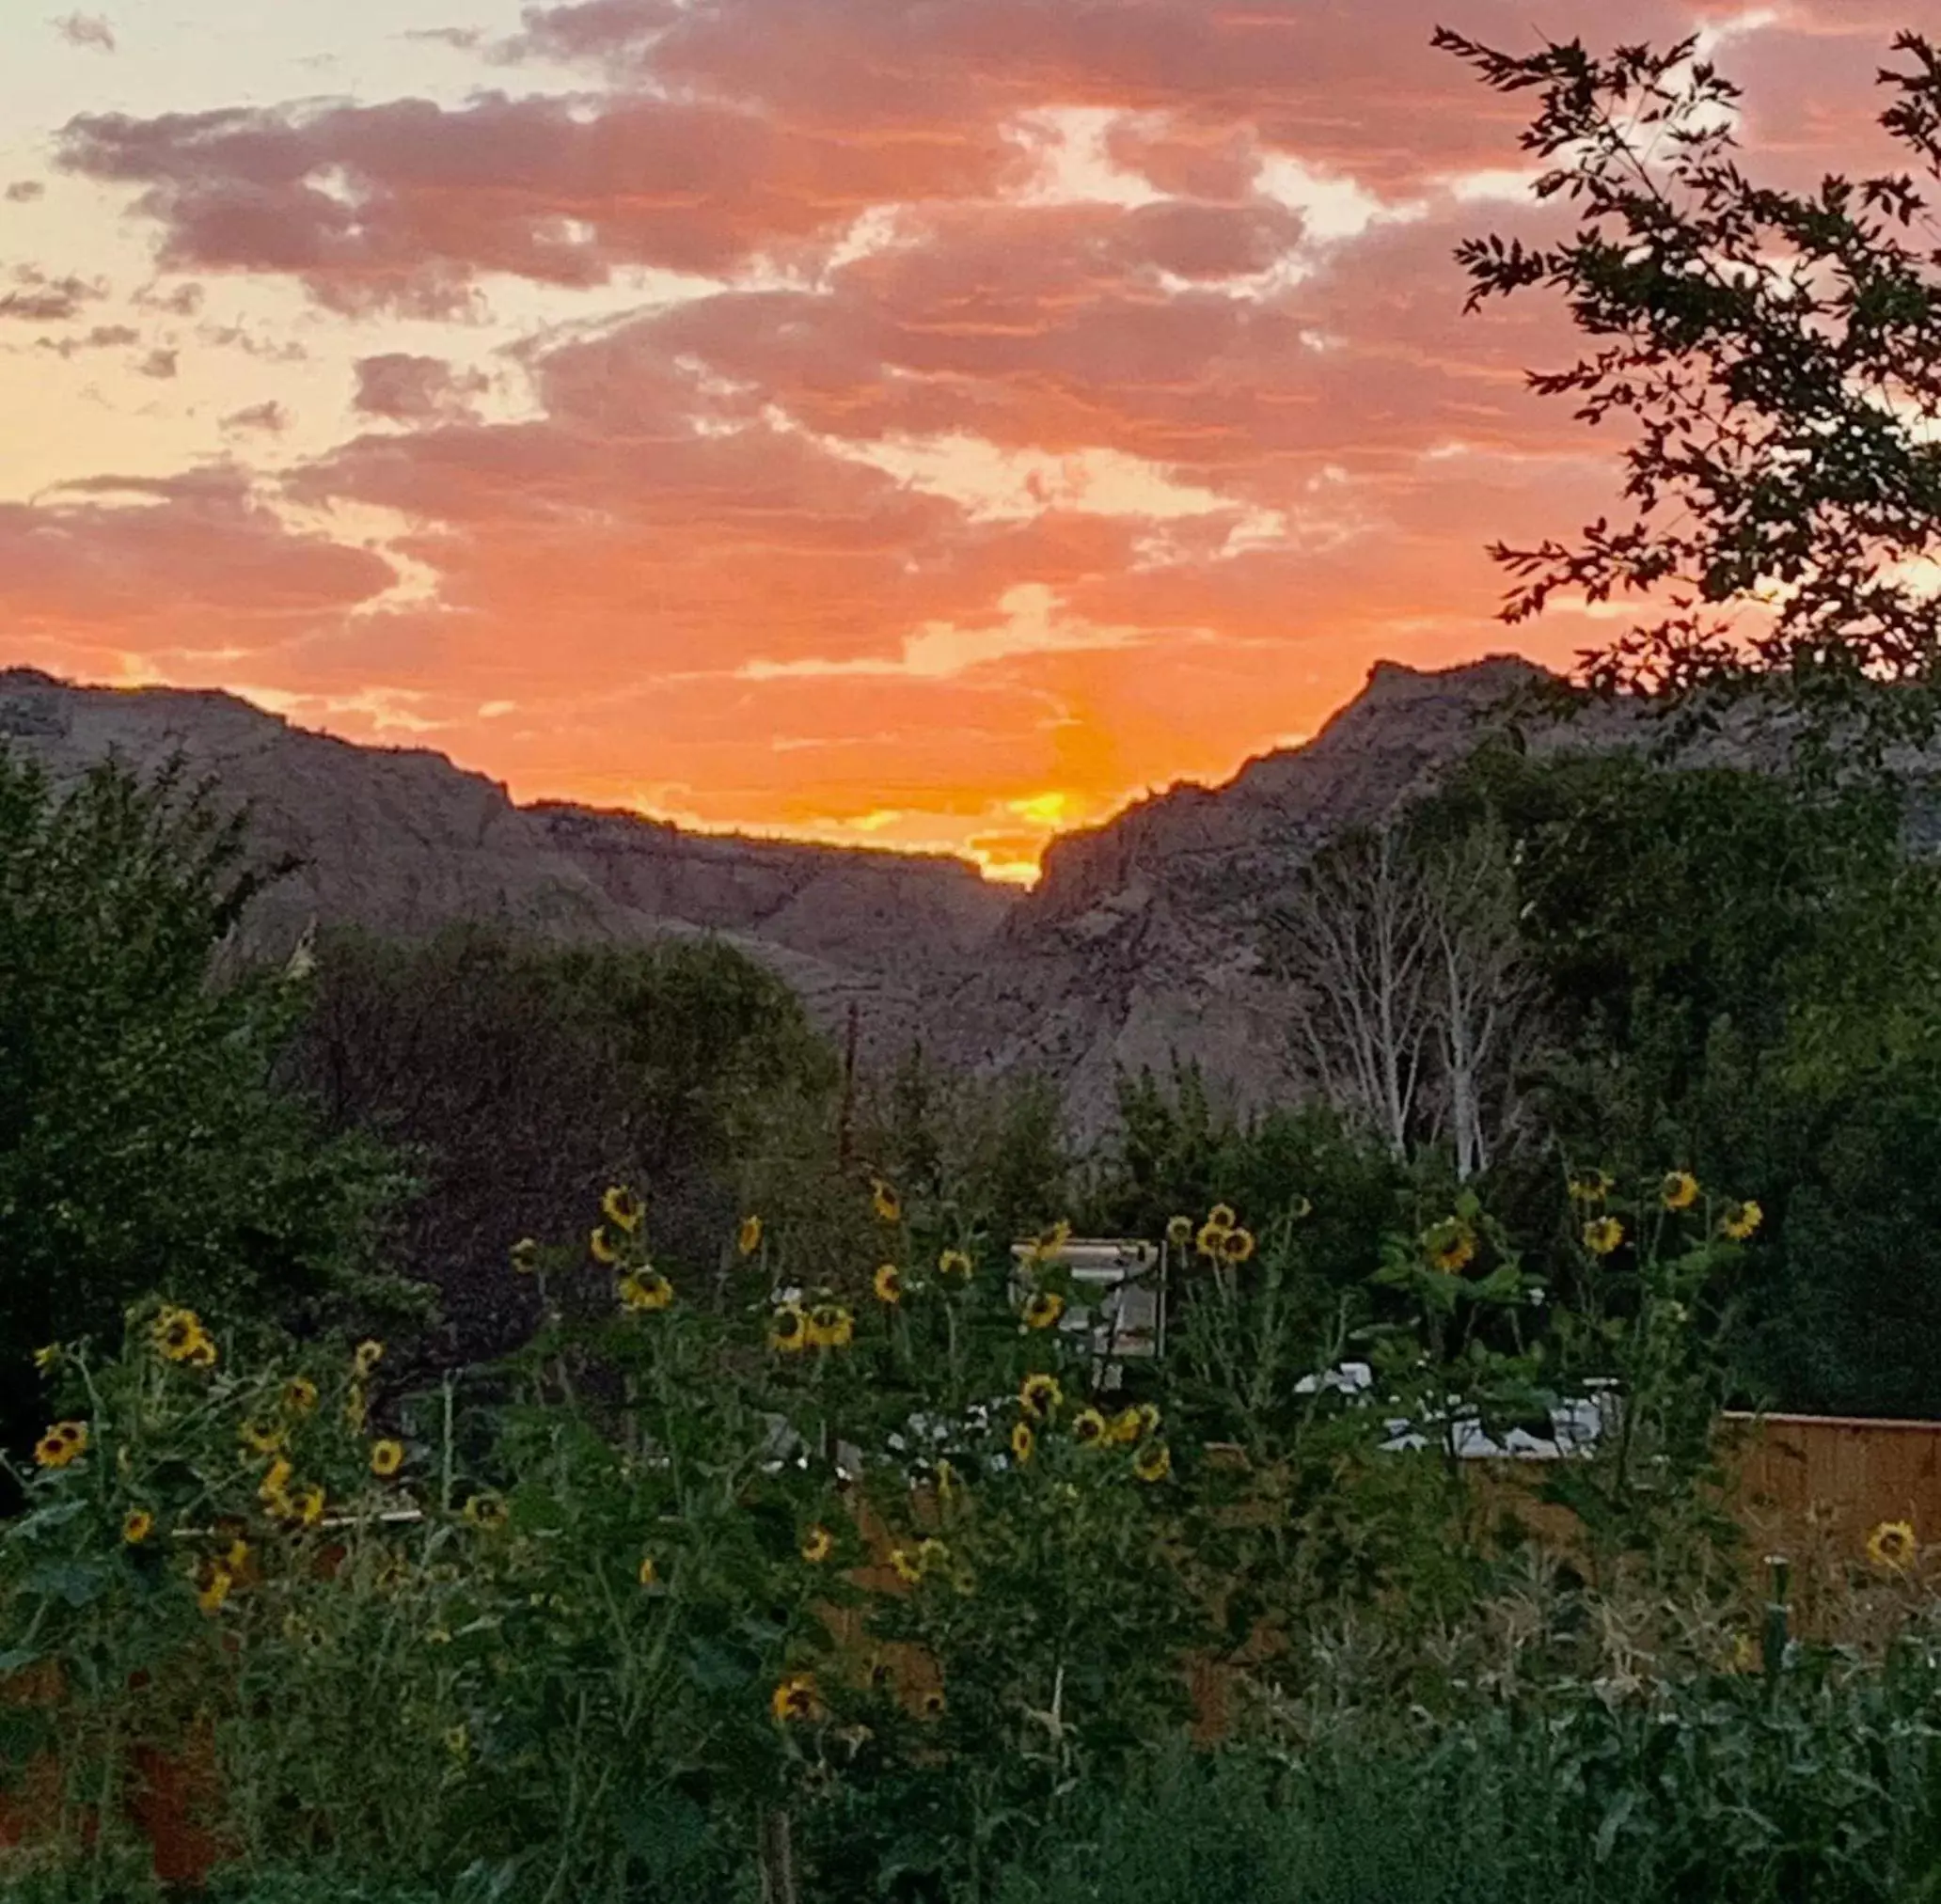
column 299, row 1394
column 1123, row 1428
column 47, row 1359
column 261, row 1437
column 386, row 1457
column 1603, row 1234
column 355, row 1409
column 307, row 1508
column 214, row 1589
column 1740, row 1221
column 1238, row 1245
column 486, row 1510
column 885, row 1202
column 1044, row 1309
column 178, row 1334
column 237, row 1559
column 817, row 1545
column 1222, row 1217
column 888, row 1283
column 788, row 1329
column 1300, row 1207
column 644, row 1289
column 1090, row 1428
column 932, row 1552
column 277, row 1477
column 137, row 1525
column 1679, row 1192
column 525, row 1255
column 748, row 1240
column 201, row 1353
column 795, row 1698
column 1891, row 1545
column 602, row 1245
column 623, row 1207
column 1049, row 1242
column 1153, row 1462
column 1040, row 1397
column 1450, row 1244
column 954, row 1266
column 1591, row 1186
column 1179, row 1232
column 63, row 1442
column 648, row 1574
column 830, row 1326
column 1211, row 1238
column 1022, row 1442
column 906, row 1567
column 369, row 1354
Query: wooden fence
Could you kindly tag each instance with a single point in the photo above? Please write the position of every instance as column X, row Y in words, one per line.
column 1824, row 1481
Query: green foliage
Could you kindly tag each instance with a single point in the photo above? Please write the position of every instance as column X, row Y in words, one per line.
column 143, row 1132
column 1777, row 506
column 525, row 1077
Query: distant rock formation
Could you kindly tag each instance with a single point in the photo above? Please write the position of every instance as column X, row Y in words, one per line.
column 1141, row 938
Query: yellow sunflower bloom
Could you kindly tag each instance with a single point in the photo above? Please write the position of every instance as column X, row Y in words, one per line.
column 1891, row 1545
column 1153, row 1462
column 1049, row 1241
column 905, row 1566
column 137, row 1525
column 1123, row 1428
column 237, row 1559
column 386, row 1457
column 830, row 1326
column 932, row 1552
column 1222, row 1217
column 623, row 1208
column 1089, row 1428
column 885, row 1202
column 1450, row 1246
column 748, row 1239
column 1603, row 1234
column 648, row 1574
column 1040, row 1397
column 178, row 1334
column 261, row 1437
column 306, row 1506
column 795, row 1699
column 602, row 1246
column 788, row 1329
column 201, row 1353
column 1238, row 1245
column 1679, row 1192
column 299, row 1394
column 1591, row 1186
column 1179, row 1232
column 47, row 1359
column 523, row 1256
column 888, row 1283
column 64, row 1443
column 1211, row 1238
column 645, row 1289
column 486, row 1510
column 1044, row 1309
column 1740, row 1221
column 214, row 1589
column 369, row 1354
column 954, row 1266
column 1022, row 1442
column 276, row 1479
column 817, row 1545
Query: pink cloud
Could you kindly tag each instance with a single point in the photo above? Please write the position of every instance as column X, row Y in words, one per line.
column 404, row 389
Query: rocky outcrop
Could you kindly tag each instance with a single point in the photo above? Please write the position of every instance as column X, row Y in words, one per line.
column 1142, row 939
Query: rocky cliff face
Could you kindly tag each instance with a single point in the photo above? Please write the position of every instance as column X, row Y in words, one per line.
column 1140, row 940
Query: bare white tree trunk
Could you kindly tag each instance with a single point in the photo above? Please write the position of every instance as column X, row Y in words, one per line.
column 1418, row 1007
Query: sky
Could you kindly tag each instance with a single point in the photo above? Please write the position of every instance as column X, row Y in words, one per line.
column 916, row 423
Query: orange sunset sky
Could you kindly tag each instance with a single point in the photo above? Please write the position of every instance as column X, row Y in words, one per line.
column 924, row 423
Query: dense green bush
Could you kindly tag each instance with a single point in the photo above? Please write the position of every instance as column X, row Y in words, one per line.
column 143, row 1130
